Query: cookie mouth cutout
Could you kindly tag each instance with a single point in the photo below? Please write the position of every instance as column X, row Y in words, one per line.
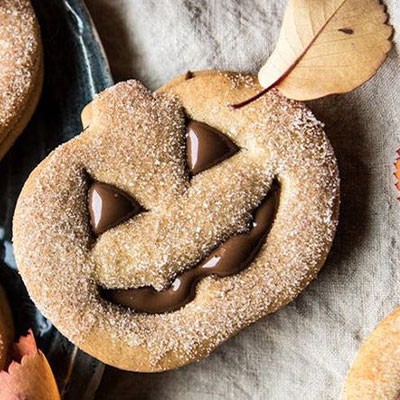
column 229, row 258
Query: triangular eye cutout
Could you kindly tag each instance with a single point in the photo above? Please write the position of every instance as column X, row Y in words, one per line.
column 109, row 206
column 206, row 147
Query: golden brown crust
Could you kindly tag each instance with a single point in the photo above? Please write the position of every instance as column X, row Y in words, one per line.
column 375, row 373
column 134, row 140
column 21, row 69
column 6, row 329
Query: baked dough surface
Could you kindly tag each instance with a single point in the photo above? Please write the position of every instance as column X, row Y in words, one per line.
column 134, row 140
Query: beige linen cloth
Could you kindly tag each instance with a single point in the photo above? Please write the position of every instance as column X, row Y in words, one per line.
column 304, row 350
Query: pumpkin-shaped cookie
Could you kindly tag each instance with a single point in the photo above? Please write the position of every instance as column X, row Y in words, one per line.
column 173, row 221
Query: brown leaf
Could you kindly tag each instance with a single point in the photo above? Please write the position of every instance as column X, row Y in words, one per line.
column 326, row 47
column 29, row 375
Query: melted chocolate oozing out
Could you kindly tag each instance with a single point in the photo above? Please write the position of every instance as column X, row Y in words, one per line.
column 231, row 257
column 206, row 147
column 109, row 206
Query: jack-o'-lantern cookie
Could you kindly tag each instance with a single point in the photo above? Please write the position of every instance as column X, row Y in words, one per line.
column 173, row 221
column 21, row 69
column 375, row 373
column 6, row 329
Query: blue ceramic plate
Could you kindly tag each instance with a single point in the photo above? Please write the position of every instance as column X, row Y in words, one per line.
column 75, row 70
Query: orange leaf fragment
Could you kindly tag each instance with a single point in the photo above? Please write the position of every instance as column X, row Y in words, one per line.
column 397, row 171
column 29, row 375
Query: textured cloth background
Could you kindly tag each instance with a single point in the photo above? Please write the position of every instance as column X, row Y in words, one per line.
column 304, row 350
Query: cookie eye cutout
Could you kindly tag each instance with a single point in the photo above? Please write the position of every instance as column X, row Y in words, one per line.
column 230, row 258
column 109, row 206
column 206, row 147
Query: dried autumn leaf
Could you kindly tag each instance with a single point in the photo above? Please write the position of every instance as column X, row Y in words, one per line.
column 29, row 375
column 326, row 47
column 6, row 329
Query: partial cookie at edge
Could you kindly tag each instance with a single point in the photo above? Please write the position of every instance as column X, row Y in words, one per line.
column 375, row 373
column 21, row 69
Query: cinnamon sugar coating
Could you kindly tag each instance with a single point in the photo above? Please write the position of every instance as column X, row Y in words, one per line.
column 135, row 141
column 21, row 68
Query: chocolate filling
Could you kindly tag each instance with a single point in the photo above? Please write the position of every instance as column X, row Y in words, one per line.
column 206, row 147
column 109, row 206
column 231, row 257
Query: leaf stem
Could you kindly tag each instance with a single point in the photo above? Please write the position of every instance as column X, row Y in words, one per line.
column 251, row 99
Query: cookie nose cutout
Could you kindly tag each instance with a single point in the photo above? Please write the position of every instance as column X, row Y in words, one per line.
column 109, row 206
column 206, row 147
